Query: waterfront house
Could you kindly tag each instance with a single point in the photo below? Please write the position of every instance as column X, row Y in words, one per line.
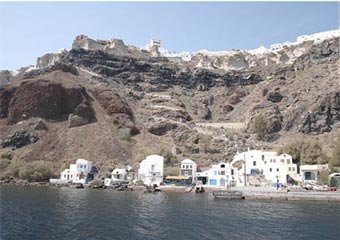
column 151, row 170
column 117, row 175
column 202, row 176
column 188, row 168
column 310, row 173
column 273, row 167
column 78, row 172
column 219, row 175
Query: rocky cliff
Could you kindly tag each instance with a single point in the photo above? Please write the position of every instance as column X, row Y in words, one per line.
column 114, row 104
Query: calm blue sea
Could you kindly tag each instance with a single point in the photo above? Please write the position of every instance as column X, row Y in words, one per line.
column 52, row 213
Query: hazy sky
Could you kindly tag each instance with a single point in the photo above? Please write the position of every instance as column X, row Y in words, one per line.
column 29, row 30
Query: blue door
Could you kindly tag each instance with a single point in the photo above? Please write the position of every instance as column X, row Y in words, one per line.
column 213, row 182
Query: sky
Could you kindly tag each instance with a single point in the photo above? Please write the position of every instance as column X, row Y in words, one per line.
column 29, row 30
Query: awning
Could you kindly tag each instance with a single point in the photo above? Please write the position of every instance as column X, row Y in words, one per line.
column 177, row 178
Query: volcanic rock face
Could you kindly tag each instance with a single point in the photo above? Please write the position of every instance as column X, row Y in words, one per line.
column 40, row 126
column 18, row 139
column 44, row 99
column 274, row 97
column 117, row 108
column 227, row 108
column 5, row 98
column 82, row 115
column 161, row 78
column 161, row 128
column 49, row 59
column 272, row 115
column 112, row 102
column 131, row 103
column 5, row 77
column 66, row 68
column 325, row 114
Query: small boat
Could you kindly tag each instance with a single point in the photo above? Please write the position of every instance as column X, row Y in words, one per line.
column 228, row 194
column 152, row 189
column 199, row 189
column 77, row 185
column 80, row 186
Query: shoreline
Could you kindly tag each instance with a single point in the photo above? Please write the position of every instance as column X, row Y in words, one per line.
column 249, row 193
column 253, row 193
column 294, row 196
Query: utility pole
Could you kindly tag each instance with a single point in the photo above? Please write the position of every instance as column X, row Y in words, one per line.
column 245, row 171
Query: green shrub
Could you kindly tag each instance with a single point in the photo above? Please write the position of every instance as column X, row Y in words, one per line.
column 335, row 159
column 5, row 175
column 7, row 156
column 36, row 171
column 205, row 141
column 324, row 177
column 169, row 158
column 106, row 174
column 5, row 160
column 171, row 171
column 306, row 152
column 33, row 172
column 4, row 163
column 124, row 134
column 14, row 168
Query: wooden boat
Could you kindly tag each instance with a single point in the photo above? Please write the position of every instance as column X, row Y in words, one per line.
column 199, row 189
column 228, row 194
column 77, row 185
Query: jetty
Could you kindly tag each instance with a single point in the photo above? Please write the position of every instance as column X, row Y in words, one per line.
column 228, row 194
column 254, row 193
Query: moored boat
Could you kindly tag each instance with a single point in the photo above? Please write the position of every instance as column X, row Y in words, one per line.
column 199, row 189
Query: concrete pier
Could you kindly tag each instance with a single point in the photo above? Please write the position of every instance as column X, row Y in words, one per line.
column 293, row 195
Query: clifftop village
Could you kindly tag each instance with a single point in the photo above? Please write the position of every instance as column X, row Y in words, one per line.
column 254, row 168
